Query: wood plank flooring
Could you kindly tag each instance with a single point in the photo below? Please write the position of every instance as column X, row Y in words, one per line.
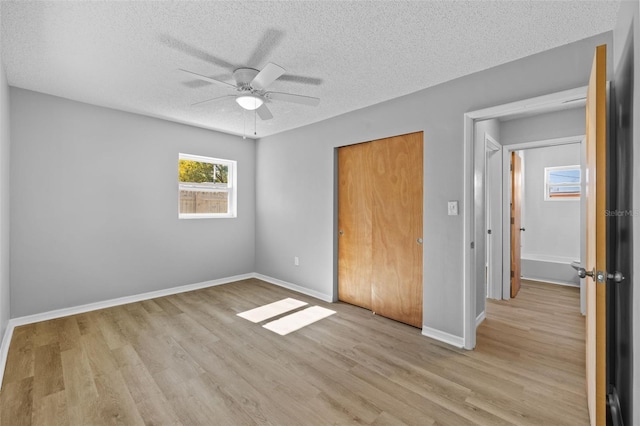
column 188, row 359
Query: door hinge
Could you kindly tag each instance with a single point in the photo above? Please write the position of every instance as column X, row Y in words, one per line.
column 512, row 274
column 473, row 244
column 512, row 221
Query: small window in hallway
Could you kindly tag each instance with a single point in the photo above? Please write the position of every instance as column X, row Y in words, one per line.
column 562, row 183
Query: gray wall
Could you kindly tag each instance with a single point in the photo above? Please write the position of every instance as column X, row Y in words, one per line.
column 629, row 27
column 4, row 202
column 552, row 227
column 94, row 203
column 540, row 127
column 295, row 174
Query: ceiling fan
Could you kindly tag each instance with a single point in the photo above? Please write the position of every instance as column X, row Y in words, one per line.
column 251, row 87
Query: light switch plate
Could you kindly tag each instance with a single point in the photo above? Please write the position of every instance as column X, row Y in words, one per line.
column 452, row 208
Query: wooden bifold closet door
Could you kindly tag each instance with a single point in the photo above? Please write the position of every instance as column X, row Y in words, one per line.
column 380, row 226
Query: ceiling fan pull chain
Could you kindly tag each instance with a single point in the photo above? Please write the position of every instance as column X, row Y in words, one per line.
column 255, row 120
column 244, row 123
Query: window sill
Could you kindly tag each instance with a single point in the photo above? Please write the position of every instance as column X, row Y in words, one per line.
column 207, row 216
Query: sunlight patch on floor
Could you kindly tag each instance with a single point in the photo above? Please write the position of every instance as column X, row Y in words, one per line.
column 288, row 323
column 297, row 320
column 271, row 310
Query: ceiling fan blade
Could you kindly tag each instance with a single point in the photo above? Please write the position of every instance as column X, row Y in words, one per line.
column 296, row 99
column 264, row 113
column 214, row 99
column 271, row 39
column 195, row 84
column 267, row 76
column 205, row 78
column 302, row 79
column 195, row 52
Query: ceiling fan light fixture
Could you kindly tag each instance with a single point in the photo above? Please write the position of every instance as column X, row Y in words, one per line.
column 249, row 102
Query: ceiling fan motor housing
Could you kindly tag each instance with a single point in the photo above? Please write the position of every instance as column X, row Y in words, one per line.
column 244, row 77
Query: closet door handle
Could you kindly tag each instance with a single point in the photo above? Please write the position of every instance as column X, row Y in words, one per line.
column 419, row 241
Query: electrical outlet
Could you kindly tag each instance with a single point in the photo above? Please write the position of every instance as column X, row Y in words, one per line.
column 452, row 208
column 296, row 261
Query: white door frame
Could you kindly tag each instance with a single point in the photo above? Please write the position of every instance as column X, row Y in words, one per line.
column 538, row 104
column 491, row 147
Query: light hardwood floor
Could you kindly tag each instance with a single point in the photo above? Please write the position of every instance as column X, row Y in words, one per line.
column 188, row 359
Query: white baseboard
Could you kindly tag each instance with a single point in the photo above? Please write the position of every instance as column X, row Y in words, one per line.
column 322, row 296
column 481, row 317
column 550, row 259
column 450, row 339
column 58, row 313
column 546, row 280
column 4, row 349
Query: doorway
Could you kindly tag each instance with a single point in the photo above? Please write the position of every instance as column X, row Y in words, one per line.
column 498, row 268
column 552, row 212
column 474, row 237
column 600, row 186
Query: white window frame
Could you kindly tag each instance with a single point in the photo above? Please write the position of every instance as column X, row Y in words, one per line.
column 547, row 185
column 231, row 187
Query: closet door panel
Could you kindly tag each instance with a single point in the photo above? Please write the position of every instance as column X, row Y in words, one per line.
column 397, row 182
column 354, row 225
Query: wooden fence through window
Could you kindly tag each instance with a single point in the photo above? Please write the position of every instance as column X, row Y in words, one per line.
column 203, row 202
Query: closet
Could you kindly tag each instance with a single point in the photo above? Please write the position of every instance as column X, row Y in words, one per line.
column 380, row 226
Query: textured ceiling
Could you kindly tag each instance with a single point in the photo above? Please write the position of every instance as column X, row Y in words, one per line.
column 126, row 55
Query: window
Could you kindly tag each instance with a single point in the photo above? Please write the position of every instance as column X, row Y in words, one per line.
column 562, row 183
column 206, row 186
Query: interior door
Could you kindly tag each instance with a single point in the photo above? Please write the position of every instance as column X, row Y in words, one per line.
column 596, row 260
column 516, row 202
column 397, row 228
column 354, row 224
